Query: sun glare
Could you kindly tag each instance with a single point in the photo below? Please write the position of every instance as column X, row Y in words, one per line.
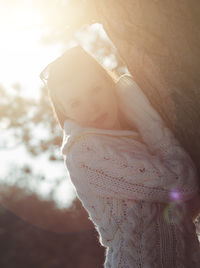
column 22, row 54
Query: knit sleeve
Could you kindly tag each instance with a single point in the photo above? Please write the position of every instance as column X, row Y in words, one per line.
column 140, row 113
column 122, row 168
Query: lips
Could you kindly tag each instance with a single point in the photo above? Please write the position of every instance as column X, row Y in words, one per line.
column 100, row 119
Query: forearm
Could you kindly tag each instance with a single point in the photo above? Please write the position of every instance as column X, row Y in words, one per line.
column 119, row 168
column 140, row 113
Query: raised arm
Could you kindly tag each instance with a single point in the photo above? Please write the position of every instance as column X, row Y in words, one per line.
column 140, row 113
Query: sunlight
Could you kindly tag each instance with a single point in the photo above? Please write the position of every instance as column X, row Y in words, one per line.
column 22, row 55
column 22, row 58
column 20, row 15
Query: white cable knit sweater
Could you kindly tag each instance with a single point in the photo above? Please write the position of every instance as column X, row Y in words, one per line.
column 134, row 189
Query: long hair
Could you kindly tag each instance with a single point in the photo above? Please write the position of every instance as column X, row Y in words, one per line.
column 62, row 70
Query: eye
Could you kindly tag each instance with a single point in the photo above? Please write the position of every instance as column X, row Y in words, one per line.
column 74, row 104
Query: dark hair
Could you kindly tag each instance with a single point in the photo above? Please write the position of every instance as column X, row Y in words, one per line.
column 63, row 69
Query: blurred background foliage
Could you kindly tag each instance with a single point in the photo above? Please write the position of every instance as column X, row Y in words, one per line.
column 39, row 226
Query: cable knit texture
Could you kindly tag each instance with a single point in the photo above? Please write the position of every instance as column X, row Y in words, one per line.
column 133, row 185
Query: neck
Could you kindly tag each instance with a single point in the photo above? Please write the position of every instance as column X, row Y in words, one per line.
column 118, row 125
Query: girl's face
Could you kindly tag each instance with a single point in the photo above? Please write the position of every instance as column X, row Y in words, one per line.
column 89, row 99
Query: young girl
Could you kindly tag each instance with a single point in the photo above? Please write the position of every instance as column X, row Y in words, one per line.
column 130, row 173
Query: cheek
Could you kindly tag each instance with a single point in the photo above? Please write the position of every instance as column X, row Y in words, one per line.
column 80, row 114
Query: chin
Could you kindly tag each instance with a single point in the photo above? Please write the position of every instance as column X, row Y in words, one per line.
column 110, row 125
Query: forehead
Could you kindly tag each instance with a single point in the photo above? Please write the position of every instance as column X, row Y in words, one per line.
column 82, row 79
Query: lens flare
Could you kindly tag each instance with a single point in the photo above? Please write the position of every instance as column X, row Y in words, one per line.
column 174, row 212
column 175, row 195
column 166, row 213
